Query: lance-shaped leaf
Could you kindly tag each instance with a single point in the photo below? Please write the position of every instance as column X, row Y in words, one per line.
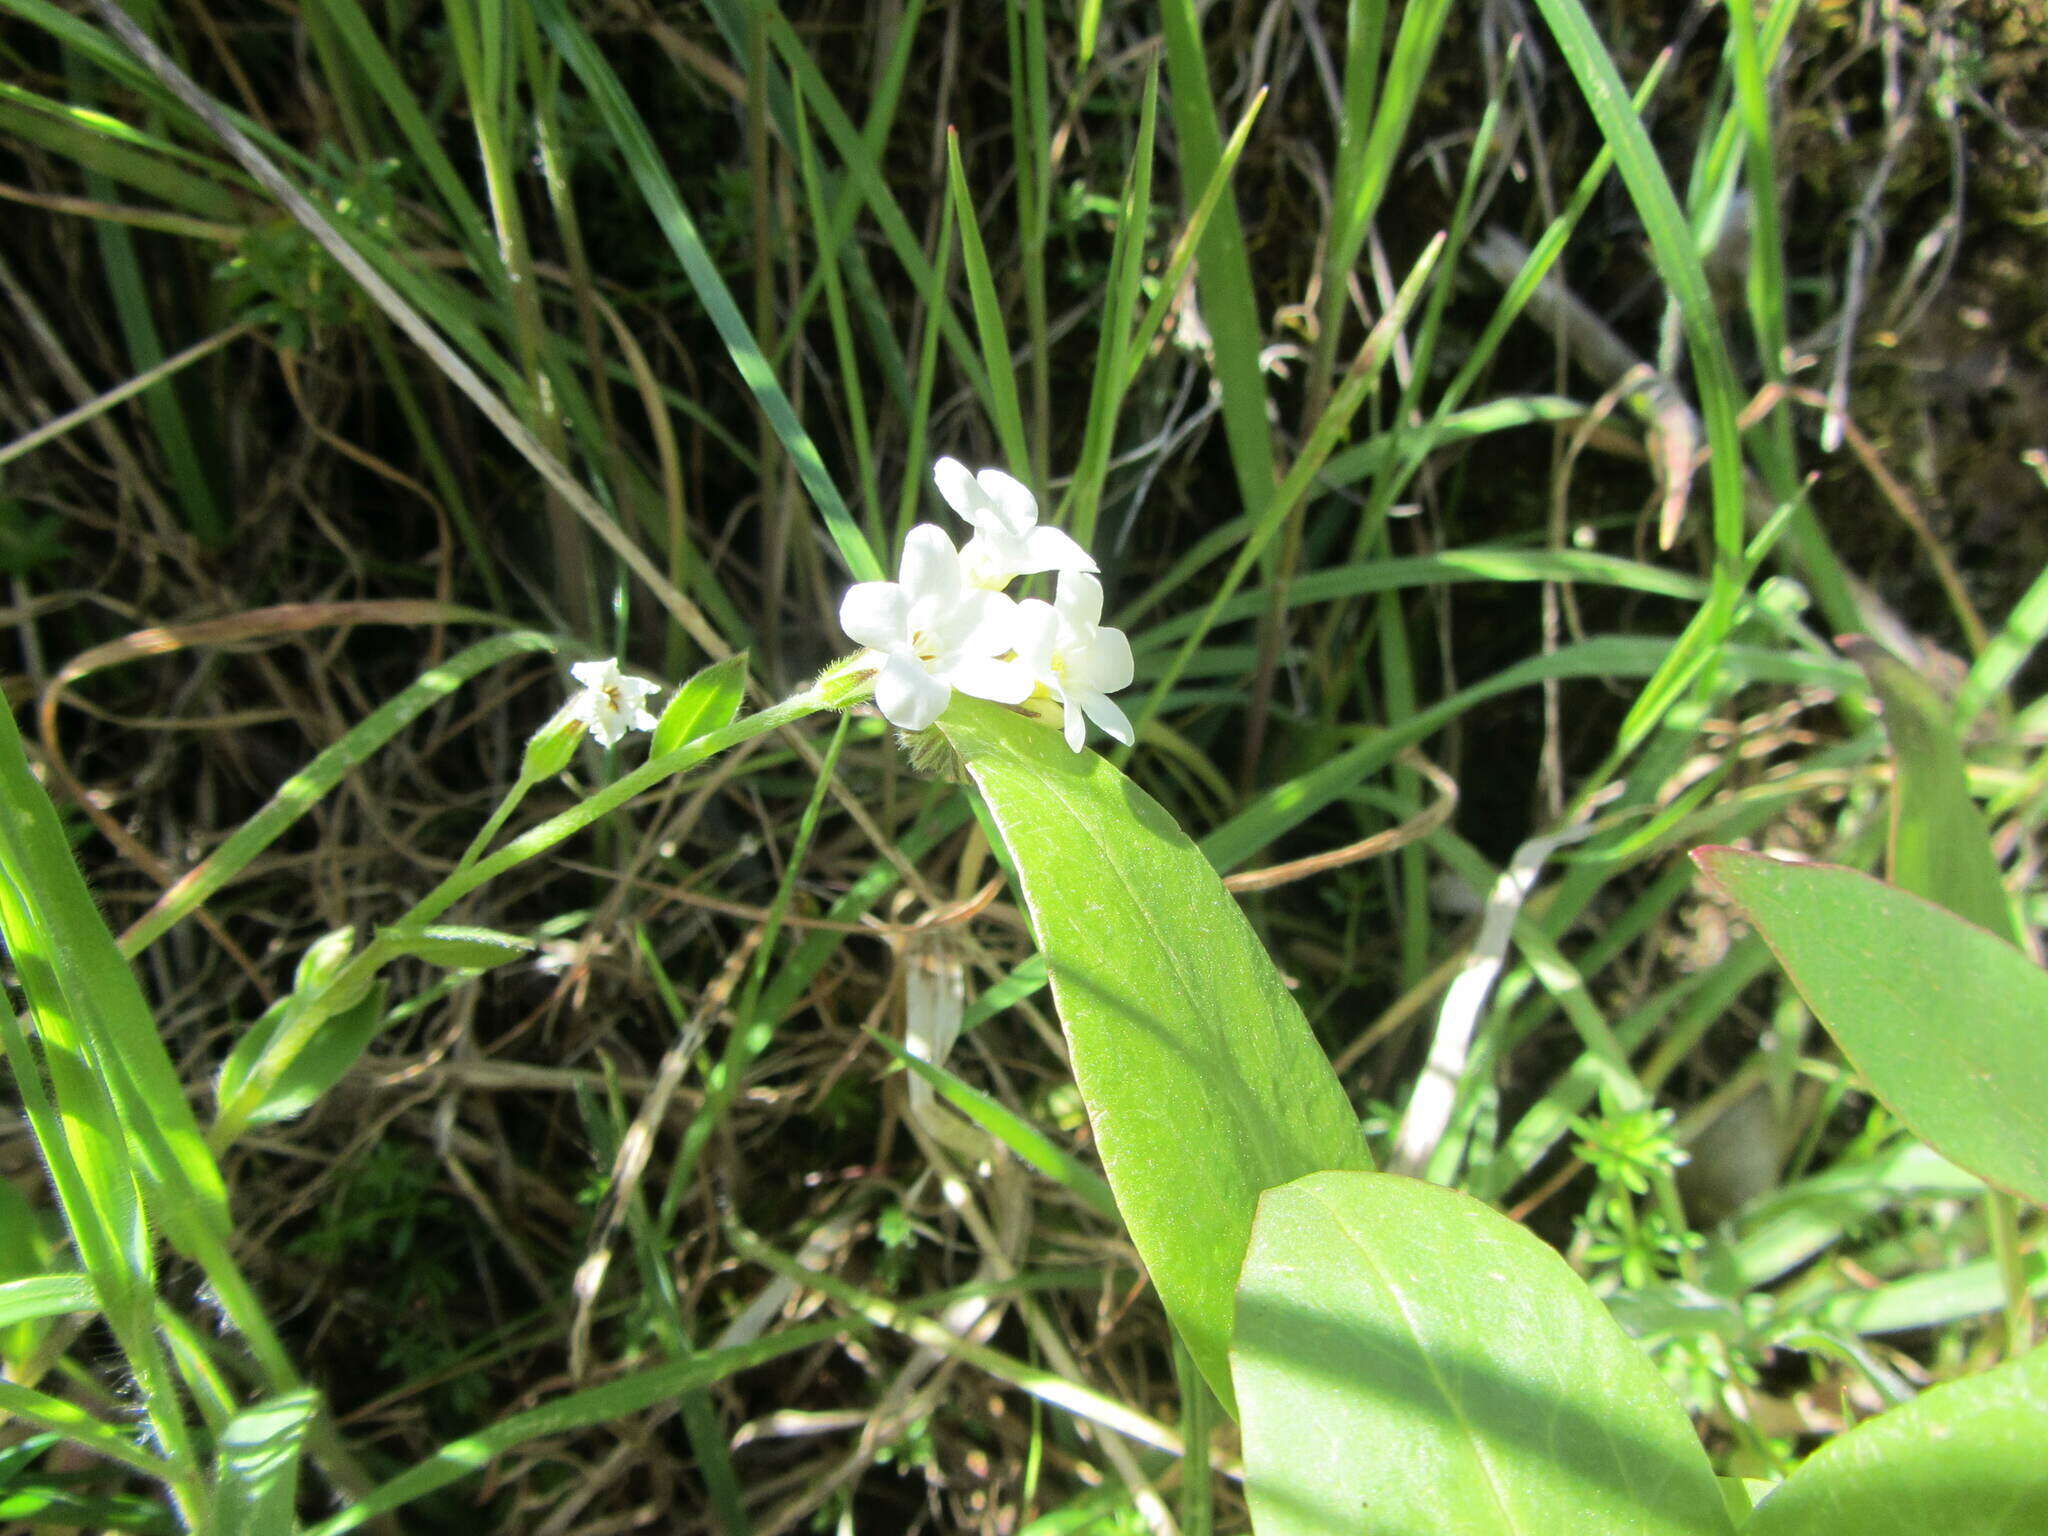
column 707, row 702
column 1409, row 1360
column 259, row 1466
column 1948, row 1023
column 1962, row 1459
column 1940, row 847
column 1202, row 1079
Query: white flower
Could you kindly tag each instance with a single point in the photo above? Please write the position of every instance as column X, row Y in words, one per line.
column 1065, row 647
column 933, row 631
column 1007, row 540
column 611, row 703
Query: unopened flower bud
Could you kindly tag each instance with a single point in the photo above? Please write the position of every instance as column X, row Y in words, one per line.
column 323, row 958
column 553, row 745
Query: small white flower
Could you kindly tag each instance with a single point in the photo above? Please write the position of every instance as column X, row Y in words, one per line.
column 1065, row 647
column 1007, row 541
column 611, row 703
column 933, row 631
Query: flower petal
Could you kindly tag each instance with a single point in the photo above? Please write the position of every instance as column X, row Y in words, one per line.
column 1054, row 549
column 1035, row 630
column 931, row 566
column 909, row 697
column 1104, row 712
column 608, row 725
column 982, row 563
column 1079, row 599
column 596, row 674
column 1010, row 499
column 956, row 484
column 1076, row 729
column 875, row 613
column 980, row 623
column 1000, row 682
column 1106, row 664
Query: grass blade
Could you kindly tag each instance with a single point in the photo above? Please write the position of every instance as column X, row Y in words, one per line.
column 636, row 144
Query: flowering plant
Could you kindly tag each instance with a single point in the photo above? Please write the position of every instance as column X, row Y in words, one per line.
column 946, row 624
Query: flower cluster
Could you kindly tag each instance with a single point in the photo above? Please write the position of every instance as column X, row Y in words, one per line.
column 945, row 623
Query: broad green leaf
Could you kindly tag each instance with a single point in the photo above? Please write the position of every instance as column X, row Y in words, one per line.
column 259, row 1466
column 336, row 1048
column 1962, row 1459
column 1202, row 1079
column 1409, row 1360
column 1945, row 1020
column 707, row 702
column 1940, row 847
column 1740, row 1495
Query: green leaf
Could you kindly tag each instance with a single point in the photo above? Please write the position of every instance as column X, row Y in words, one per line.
column 40, row 1296
column 1943, row 1018
column 259, row 1466
column 47, row 1503
column 1940, row 847
column 336, row 1048
column 707, row 702
column 1202, row 1079
column 633, row 1392
column 629, row 132
column 76, row 982
column 1031, row 1145
column 1006, row 413
column 1963, row 1459
column 305, row 789
column 456, row 948
column 1409, row 1360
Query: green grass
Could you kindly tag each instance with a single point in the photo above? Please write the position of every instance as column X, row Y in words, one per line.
column 579, row 337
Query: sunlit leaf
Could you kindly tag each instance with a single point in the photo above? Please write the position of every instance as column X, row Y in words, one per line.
column 1944, row 1019
column 1962, row 1459
column 1202, row 1079
column 1409, row 1360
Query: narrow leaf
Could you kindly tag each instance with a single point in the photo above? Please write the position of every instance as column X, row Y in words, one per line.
column 1030, row 1144
column 707, row 702
column 643, row 158
column 456, row 948
column 40, row 1296
column 305, row 789
column 259, row 1466
column 1940, row 847
column 72, row 970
